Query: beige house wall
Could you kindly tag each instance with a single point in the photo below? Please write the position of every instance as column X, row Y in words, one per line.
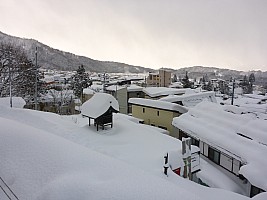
column 155, row 116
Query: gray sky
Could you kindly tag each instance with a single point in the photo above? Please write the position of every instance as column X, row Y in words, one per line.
column 151, row 33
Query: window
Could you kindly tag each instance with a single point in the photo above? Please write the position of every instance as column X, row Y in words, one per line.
column 195, row 142
column 214, row 155
column 143, row 110
column 158, row 113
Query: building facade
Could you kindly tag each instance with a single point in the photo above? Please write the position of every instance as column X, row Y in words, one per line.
column 160, row 79
column 156, row 113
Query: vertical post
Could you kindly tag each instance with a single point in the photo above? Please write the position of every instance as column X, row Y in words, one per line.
column 186, row 153
column 166, row 165
column 104, row 86
column 233, row 93
column 36, row 71
column 10, row 85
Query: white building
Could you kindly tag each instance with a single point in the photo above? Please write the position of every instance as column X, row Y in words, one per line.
column 235, row 142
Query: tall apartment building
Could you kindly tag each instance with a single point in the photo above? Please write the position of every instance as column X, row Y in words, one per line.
column 160, row 79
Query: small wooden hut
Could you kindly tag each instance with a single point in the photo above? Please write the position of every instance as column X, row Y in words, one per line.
column 100, row 108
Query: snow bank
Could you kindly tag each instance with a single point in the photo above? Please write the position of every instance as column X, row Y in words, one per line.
column 17, row 102
column 125, row 162
column 38, row 165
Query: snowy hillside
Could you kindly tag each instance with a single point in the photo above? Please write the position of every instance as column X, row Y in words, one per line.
column 46, row 156
column 60, row 60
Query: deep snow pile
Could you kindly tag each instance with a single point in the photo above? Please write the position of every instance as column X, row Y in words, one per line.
column 124, row 162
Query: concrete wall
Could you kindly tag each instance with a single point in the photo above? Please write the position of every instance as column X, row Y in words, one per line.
column 122, row 97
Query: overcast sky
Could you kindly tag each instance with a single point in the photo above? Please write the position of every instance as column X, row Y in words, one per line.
column 151, row 33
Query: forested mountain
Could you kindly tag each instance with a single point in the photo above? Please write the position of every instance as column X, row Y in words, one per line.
column 56, row 59
column 60, row 60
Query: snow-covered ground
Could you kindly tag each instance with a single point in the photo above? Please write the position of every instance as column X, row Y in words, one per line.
column 47, row 156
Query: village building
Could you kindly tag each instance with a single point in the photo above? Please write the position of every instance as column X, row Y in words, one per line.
column 156, row 113
column 235, row 143
column 100, row 108
column 160, row 79
column 191, row 99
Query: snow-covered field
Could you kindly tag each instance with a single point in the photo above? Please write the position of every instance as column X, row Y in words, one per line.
column 47, row 156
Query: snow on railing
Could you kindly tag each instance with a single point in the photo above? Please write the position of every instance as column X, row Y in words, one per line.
column 7, row 190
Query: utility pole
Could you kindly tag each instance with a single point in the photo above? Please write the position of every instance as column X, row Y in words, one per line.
column 10, row 85
column 36, row 71
column 233, row 93
column 104, row 86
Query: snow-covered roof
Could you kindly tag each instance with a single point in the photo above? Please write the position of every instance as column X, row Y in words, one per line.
column 17, row 102
column 158, row 104
column 256, row 96
column 134, row 88
column 114, row 87
column 98, row 105
column 248, row 104
column 191, row 99
column 212, row 124
column 176, row 85
column 162, row 91
column 130, row 88
column 88, row 91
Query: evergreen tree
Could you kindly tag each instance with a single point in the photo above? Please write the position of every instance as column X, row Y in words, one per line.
column 245, row 85
column 208, row 86
column 80, row 80
column 17, row 69
column 223, row 87
column 174, row 79
column 251, row 80
column 186, row 82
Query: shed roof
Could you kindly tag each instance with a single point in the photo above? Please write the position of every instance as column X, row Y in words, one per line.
column 98, row 105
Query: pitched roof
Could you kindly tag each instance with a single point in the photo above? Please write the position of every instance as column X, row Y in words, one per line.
column 98, row 105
